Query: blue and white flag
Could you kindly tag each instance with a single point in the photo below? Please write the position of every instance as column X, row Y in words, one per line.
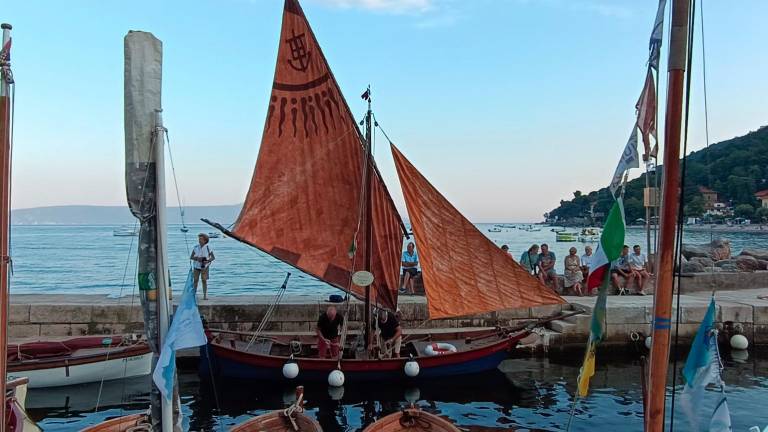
column 706, row 411
column 186, row 331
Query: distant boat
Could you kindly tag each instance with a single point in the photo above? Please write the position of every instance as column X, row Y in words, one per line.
column 558, row 229
column 214, row 235
column 590, row 235
column 565, row 236
column 494, row 229
column 184, row 229
column 125, row 232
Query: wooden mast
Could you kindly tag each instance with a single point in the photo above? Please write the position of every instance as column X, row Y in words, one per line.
column 665, row 264
column 6, row 80
column 368, row 216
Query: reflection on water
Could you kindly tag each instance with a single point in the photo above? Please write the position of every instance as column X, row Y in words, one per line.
column 525, row 394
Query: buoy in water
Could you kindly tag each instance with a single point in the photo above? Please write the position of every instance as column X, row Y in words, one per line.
column 739, row 342
column 648, row 342
column 291, row 370
column 336, row 393
column 336, row 378
column 412, row 395
column 411, row 368
column 740, row 356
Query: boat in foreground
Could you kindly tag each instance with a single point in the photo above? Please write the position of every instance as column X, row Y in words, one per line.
column 411, row 419
column 291, row 419
column 79, row 360
column 129, row 423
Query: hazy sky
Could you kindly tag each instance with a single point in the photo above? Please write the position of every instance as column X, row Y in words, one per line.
column 507, row 106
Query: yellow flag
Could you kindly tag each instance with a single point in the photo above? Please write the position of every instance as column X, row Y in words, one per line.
column 587, row 370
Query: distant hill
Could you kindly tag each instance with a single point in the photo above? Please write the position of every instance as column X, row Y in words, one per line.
column 735, row 169
column 116, row 215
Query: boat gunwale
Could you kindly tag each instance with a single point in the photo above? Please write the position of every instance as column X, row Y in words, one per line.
column 117, row 353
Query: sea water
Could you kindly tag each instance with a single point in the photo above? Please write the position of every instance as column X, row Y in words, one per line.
column 524, row 394
column 56, row 259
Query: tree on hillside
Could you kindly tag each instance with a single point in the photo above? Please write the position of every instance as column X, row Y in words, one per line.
column 761, row 214
column 695, row 208
column 745, row 211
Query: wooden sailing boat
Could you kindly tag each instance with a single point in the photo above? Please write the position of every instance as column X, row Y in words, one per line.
column 318, row 202
column 145, row 185
column 12, row 414
column 291, row 419
column 411, row 419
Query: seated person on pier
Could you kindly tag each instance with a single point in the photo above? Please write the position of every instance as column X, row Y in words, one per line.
column 389, row 335
column 620, row 268
column 547, row 272
column 327, row 330
column 638, row 263
column 410, row 263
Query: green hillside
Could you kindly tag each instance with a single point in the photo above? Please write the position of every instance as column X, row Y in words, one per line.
column 735, row 169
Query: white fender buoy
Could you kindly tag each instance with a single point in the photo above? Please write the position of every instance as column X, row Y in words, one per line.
column 291, row 370
column 336, row 378
column 740, row 356
column 439, row 348
column 411, row 368
column 739, row 342
column 648, row 342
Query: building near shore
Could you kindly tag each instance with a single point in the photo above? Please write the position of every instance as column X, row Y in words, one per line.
column 762, row 196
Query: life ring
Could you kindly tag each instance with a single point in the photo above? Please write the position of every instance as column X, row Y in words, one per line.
column 439, row 348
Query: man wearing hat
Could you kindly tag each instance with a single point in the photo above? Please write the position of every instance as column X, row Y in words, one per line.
column 202, row 257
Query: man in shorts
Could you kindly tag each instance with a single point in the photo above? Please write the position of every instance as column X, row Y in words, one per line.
column 620, row 268
column 546, row 263
column 639, row 264
column 202, row 257
column 410, row 263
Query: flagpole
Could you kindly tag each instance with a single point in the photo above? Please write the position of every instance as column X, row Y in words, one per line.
column 669, row 210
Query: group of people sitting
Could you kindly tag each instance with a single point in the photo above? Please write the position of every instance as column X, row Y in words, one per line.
column 625, row 270
column 384, row 341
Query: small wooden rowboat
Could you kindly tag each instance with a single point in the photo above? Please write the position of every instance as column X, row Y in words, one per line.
column 291, row 419
column 411, row 419
column 79, row 360
column 129, row 423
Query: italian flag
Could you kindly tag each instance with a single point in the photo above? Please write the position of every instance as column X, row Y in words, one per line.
column 609, row 249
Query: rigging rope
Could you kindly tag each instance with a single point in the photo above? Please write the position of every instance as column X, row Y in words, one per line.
column 178, row 195
column 680, row 211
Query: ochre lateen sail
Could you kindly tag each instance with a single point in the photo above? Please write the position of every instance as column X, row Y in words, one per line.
column 304, row 203
column 464, row 272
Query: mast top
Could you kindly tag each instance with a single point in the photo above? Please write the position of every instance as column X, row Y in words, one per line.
column 6, row 26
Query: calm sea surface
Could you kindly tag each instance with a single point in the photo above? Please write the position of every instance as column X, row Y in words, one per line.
column 529, row 394
column 90, row 260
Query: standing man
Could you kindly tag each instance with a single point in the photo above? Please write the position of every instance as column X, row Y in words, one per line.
column 547, row 271
column 327, row 331
column 390, row 335
column 202, row 257
column 410, row 263
column 639, row 264
column 586, row 264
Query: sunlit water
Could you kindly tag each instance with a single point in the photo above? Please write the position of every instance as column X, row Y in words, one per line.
column 530, row 394
column 90, row 260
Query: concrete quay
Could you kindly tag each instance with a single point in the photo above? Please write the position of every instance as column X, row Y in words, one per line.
column 40, row 316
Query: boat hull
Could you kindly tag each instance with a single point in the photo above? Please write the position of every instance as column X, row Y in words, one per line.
column 221, row 360
column 276, row 421
column 412, row 420
column 121, row 363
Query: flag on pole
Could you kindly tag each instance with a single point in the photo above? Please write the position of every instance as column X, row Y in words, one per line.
column 701, row 369
column 629, row 159
column 654, row 45
column 609, row 249
column 186, row 331
column 646, row 116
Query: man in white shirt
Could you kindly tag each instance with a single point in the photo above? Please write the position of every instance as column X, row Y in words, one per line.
column 202, row 257
column 586, row 264
column 638, row 263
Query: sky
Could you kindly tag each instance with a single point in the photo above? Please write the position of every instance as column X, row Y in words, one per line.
column 507, row 106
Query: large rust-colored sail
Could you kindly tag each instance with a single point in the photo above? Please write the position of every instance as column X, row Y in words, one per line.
column 304, row 203
column 464, row 272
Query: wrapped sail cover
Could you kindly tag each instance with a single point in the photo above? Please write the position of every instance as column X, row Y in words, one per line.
column 464, row 272
column 304, row 202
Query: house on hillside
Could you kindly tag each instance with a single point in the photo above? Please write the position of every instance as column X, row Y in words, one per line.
column 762, row 196
column 710, row 197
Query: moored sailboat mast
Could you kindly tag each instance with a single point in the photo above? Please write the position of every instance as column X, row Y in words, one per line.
column 6, row 79
column 368, row 214
column 665, row 264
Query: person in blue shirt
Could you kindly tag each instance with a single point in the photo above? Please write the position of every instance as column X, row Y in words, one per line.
column 530, row 259
column 410, row 263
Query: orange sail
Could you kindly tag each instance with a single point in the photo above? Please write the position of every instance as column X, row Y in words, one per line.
column 464, row 272
column 304, row 205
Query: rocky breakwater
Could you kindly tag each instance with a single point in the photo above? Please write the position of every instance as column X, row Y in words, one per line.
column 712, row 266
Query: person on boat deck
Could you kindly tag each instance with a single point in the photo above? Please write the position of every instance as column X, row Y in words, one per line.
column 389, row 334
column 327, row 330
column 202, row 257
column 530, row 259
column 547, row 272
column 410, row 263
column 586, row 263
column 572, row 275
column 639, row 263
column 620, row 269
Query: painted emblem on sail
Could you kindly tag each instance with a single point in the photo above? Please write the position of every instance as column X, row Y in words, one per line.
column 300, row 56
